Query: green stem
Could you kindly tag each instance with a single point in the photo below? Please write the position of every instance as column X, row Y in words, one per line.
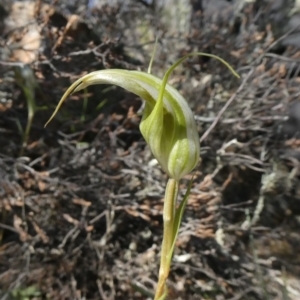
column 29, row 94
column 167, row 243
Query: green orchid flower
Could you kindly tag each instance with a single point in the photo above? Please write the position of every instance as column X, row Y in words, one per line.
column 167, row 125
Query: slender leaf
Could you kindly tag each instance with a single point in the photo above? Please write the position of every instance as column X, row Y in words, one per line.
column 178, row 217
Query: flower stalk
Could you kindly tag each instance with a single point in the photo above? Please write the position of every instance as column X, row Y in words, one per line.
column 167, row 243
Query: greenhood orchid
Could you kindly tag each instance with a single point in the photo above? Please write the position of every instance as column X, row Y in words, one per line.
column 167, row 125
column 169, row 128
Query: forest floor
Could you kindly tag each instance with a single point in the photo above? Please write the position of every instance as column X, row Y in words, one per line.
column 81, row 200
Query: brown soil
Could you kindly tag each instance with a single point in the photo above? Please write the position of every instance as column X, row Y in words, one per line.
column 81, row 201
